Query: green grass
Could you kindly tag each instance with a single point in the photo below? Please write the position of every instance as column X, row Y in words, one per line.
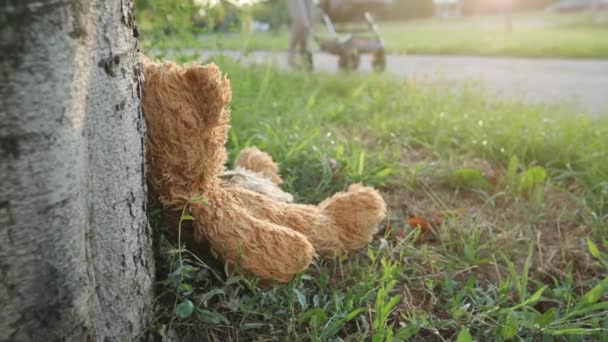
column 533, row 35
column 517, row 196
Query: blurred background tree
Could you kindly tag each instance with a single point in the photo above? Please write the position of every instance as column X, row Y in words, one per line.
column 273, row 12
column 407, row 9
column 197, row 16
column 171, row 17
column 189, row 20
column 161, row 18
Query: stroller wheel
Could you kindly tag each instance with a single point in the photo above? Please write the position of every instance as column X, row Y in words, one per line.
column 379, row 61
column 349, row 61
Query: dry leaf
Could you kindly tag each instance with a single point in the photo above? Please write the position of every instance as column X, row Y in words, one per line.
column 415, row 222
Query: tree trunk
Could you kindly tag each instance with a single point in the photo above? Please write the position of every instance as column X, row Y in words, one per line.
column 75, row 246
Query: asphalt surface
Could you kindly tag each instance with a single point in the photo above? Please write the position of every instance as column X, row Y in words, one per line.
column 582, row 83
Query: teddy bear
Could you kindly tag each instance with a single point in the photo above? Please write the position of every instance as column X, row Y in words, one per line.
column 246, row 220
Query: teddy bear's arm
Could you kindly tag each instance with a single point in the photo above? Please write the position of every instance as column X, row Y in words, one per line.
column 254, row 160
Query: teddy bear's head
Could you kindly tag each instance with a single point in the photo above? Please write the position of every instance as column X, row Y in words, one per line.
column 187, row 126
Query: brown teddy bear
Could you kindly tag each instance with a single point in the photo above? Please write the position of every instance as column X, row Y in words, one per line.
column 248, row 220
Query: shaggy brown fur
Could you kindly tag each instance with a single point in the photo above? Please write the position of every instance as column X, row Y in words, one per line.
column 188, row 121
column 260, row 162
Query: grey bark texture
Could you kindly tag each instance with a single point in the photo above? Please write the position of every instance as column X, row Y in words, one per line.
column 75, row 246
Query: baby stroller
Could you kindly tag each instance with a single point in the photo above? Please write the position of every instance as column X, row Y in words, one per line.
column 337, row 16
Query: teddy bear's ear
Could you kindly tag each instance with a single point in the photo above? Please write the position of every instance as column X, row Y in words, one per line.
column 209, row 87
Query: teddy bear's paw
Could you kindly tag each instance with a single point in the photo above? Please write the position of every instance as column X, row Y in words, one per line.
column 256, row 161
column 356, row 213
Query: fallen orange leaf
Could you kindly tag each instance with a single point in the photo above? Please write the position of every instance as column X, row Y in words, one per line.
column 418, row 222
column 415, row 222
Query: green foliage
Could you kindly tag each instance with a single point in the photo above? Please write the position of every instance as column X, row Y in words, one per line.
column 532, row 178
column 185, row 21
column 512, row 176
column 464, row 336
column 529, row 182
column 158, row 18
column 385, row 304
column 273, row 12
column 469, row 178
column 184, row 309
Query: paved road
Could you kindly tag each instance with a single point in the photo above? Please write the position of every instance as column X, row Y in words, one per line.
column 582, row 82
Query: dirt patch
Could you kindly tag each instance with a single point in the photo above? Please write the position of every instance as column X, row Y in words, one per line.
column 487, row 227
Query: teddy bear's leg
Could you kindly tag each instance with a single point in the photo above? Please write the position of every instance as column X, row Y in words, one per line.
column 357, row 213
column 265, row 249
column 257, row 161
column 346, row 221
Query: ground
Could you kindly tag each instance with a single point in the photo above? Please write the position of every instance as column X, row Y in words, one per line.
column 497, row 227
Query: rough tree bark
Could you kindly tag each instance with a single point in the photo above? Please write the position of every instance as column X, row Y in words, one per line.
column 75, row 247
